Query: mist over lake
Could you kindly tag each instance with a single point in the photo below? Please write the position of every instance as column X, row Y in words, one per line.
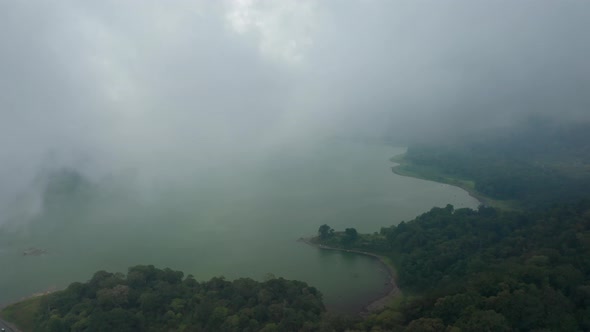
column 239, row 220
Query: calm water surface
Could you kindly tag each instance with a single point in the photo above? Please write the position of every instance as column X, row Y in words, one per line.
column 232, row 221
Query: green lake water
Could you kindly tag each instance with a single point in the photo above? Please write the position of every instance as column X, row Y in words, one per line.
column 232, row 221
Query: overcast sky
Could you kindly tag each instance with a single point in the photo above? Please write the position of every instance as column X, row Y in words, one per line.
column 113, row 84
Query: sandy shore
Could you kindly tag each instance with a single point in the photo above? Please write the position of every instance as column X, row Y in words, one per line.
column 391, row 289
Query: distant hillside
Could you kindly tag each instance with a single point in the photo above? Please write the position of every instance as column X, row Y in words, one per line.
column 536, row 165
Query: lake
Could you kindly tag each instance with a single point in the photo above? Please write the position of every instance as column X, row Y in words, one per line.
column 234, row 221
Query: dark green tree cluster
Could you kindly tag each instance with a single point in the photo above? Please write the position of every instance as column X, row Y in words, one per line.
column 490, row 270
column 328, row 236
column 325, row 232
column 350, row 235
column 151, row 299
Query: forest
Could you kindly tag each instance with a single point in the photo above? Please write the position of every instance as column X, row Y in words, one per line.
column 485, row 270
column 152, row 299
column 534, row 165
column 526, row 268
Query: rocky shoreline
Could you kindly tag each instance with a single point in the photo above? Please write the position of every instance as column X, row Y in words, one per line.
column 391, row 289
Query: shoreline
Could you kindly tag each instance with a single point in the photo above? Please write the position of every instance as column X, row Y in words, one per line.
column 399, row 162
column 391, row 290
column 48, row 291
column 401, row 166
column 477, row 196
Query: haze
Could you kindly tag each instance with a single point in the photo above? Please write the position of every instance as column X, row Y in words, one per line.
column 169, row 90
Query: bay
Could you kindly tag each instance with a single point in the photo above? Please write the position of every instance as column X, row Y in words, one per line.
column 241, row 220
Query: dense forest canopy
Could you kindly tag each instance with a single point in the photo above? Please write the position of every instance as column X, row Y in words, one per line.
column 485, row 270
column 152, row 299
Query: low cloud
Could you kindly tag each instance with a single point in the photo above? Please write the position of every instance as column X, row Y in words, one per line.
column 174, row 88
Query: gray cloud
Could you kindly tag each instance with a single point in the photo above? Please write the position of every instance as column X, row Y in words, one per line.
column 107, row 85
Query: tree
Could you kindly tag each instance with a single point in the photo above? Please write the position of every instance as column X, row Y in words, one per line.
column 426, row 325
column 151, row 299
column 325, row 231
column 487, row 320
column 351, row 234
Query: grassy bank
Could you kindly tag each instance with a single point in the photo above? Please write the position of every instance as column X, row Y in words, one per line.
column 405, row 167
column 22, row 314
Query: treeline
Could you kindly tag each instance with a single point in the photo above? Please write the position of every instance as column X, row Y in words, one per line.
column 535, row 165
column 460, row 270
column 151, row 299
column 533, row 184
column 488, row 270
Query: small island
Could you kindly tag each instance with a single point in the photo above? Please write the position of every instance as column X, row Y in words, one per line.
column 32, row 251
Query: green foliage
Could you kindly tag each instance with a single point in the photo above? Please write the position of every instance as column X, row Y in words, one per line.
column 350, row 235
column 491, row 270
column 325, row 232
column 22, row 313
column 151, row 299
column 535, row 166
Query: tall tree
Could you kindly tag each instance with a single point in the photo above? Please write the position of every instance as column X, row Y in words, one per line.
column 325, row 231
